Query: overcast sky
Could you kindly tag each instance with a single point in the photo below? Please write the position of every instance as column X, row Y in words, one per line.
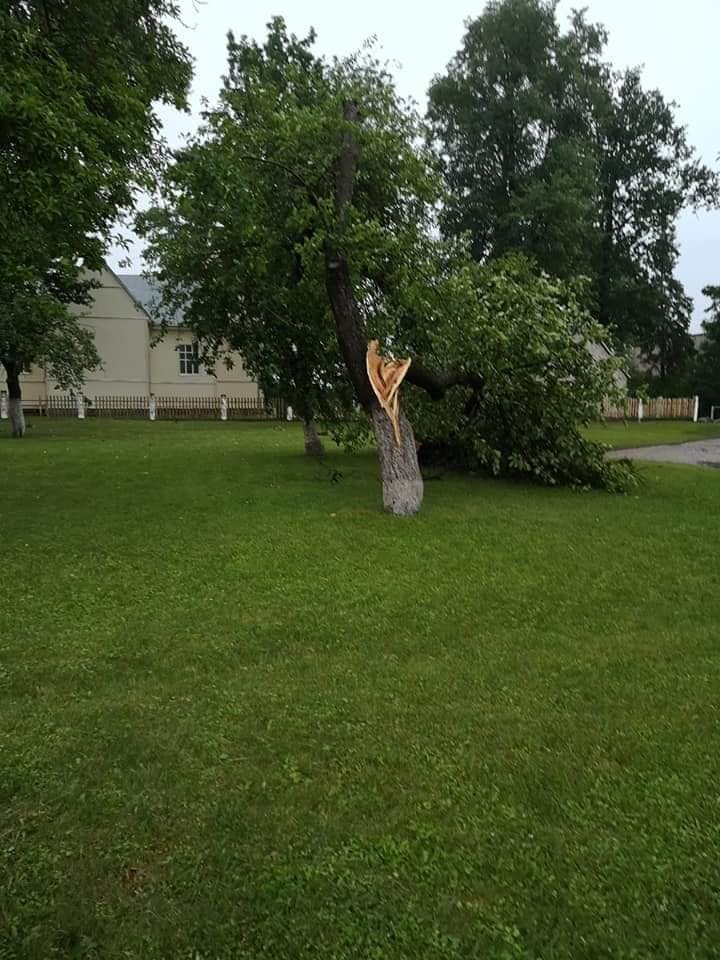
column 675, row 42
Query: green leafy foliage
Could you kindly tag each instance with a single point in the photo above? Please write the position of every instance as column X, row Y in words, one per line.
column 529, row 338
column 698, row 370
column 648, row 175
column 512, row 118
column 233, row 236
column 78, row 136
column 550, row 152
column 238, row 235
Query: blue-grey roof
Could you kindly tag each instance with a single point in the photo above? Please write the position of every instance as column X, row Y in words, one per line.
column 147, row 293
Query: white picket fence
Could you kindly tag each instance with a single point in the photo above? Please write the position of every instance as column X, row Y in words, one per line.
column 157, row 408
column 251, row 408
column 658, row 408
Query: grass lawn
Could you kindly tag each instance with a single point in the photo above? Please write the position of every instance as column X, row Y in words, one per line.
column 621, row 434
column 244, row 714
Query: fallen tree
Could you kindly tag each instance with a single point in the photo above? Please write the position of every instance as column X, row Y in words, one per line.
column 299, row 227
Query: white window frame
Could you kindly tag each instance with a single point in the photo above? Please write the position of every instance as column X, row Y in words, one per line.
column 189, row 356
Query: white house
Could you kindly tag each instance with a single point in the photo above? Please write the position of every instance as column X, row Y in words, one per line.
column 120, row 318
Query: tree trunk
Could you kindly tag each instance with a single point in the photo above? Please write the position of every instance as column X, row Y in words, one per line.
column 313, row 443
column 17, row 417
column 399, row 468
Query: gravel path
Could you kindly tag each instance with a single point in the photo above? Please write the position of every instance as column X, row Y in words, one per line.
column 702, row 452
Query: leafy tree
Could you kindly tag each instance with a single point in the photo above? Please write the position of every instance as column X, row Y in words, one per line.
column 550, row 153
column 241, row 234
column 648, row 175
column 78, row 137
column 232, row 236
column 512, row 118
column 305, row 207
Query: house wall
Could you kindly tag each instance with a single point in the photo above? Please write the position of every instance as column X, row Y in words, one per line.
column 167, row 381
column 122, row 340
column 131, row 365
column 33, row 384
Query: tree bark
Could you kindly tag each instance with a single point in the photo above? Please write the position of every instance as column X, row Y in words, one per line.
column 17, row 417
column 313, row 443
column 348, row 325
column 401, row 478
column 399, row 467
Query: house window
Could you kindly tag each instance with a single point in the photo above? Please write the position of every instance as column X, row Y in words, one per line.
column 189, row 358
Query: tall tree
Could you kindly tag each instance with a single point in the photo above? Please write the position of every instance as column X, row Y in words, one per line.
column 79, row 135
column 550, row 153
column 231, row 237
column 649, row 173
column 279, row 247
column 511, row 118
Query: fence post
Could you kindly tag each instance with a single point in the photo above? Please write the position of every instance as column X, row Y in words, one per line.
column 696, row 408
column 641, row 411
column 223, row 406
column 3, row 405
column 81, row 406
column 152, row 408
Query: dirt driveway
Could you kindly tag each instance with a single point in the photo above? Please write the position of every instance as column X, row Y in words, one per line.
column 704, row 453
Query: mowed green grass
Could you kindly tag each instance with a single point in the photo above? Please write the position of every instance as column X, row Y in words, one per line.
column 626, row 434
column 244, row 714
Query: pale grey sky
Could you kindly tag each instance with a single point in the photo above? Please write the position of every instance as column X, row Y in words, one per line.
column 675, row 42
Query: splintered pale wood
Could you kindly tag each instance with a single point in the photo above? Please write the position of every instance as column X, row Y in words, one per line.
column 385, row 378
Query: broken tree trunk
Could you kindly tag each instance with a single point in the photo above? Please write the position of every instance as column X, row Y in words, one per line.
column 399, row 467
column 402, row 481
